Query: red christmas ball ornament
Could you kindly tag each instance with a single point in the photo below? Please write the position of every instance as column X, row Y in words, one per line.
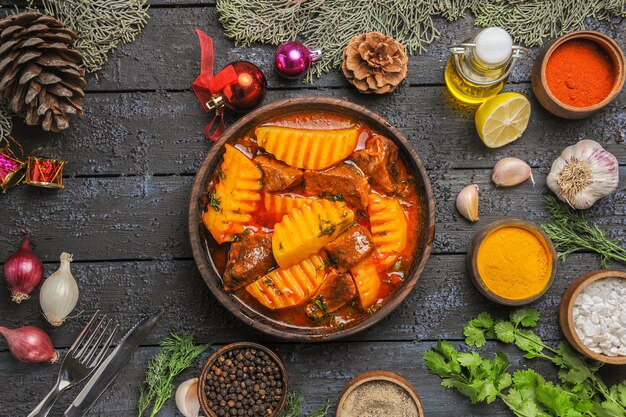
column 240, row 86
column 245, row 92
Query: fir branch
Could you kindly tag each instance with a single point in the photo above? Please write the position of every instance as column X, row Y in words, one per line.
column 100, row 25
column 330, row 24
column 6, row 125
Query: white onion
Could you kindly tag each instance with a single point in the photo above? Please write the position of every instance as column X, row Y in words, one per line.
column 59, row 293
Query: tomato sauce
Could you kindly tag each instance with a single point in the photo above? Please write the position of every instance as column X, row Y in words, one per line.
column 392, row 277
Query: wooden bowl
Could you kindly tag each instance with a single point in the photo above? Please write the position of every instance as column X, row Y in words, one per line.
column 567, row 322
column 378, row 376
column 206, row 369
column 206, row 264
column 472, row 256
column 557, row 107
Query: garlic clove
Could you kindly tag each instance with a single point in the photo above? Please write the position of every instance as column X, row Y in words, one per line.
column 511, row 171
column 583, row 173
column 187, row 398
column 467, row 202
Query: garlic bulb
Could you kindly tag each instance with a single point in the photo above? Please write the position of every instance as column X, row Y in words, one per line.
column 59, row 293
column 467, row 202
column 187, row 398
column 583, row 174
column 511, row 171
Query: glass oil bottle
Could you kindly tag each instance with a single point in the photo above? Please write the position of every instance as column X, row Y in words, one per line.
column 479, row 67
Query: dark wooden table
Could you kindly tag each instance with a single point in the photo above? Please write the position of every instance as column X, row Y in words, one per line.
column 123, row 214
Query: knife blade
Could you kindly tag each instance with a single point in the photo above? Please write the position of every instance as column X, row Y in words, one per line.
column 111, row 367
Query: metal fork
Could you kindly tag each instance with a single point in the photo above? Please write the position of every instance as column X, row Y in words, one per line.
column 80, row 361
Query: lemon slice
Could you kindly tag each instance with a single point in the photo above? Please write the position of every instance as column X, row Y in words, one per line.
column 502, row 119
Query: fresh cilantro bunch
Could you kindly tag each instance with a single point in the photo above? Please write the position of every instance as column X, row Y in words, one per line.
column 581, row 392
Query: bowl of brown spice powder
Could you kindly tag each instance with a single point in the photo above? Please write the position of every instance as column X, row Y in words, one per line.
column 379, row 394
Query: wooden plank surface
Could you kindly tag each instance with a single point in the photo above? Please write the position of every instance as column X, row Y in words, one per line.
column 123, row 212
column 318, row 380
column 161, row 132
column 145, row 217
column 444, row 300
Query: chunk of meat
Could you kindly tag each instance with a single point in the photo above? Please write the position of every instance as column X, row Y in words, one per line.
column 351, row 247
column 277, row 175
column 249, row 258
column 337, row 290
column 379, row 161
column 342, row 182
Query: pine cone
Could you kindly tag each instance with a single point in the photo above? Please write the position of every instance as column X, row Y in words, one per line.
column 374, row 63
column 40, row 73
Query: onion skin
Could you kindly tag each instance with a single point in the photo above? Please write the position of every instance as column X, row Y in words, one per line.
column 23, row 272
column 29, row 344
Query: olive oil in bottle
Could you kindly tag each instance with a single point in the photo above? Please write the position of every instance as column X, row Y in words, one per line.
column 479, row 67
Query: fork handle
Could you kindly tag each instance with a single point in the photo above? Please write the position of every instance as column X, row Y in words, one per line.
column 43, row 408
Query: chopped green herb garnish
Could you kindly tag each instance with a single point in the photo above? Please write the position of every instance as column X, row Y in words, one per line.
column 332, row 197
column 327, row 228
column 319, row 303
column 214, row 202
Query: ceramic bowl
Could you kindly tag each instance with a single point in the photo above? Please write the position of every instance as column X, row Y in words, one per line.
column 557, row 107
column 206, row 371
column 200, row 245
column 567, row 322
column 472, row 256
column 378, row 375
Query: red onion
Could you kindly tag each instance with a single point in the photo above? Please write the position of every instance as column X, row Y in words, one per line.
column 23, row 271
column 29, row 344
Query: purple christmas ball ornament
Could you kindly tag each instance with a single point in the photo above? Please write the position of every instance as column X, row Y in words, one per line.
column 292, row 59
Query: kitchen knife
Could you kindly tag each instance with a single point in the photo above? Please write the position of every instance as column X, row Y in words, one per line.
column 111, row 367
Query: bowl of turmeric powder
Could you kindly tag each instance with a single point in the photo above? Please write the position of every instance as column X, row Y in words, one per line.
column 512, row 262
column 578, row 74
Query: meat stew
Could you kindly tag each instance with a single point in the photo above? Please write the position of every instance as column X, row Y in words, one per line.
column 336, row 202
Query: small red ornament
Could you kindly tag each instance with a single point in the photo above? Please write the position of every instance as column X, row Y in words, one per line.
column 9, row 166
column 44, row 172
column 240, row 86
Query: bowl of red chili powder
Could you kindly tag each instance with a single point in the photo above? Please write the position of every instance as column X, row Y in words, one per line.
column 578, row 74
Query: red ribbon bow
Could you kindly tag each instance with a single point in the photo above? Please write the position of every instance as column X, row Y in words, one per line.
column 207, row 86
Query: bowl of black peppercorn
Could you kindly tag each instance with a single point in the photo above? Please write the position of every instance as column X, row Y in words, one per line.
column 243, row 379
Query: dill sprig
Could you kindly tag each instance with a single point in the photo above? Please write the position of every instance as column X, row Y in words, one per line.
column 294, row 407
column 571, row 232
column 177, row 353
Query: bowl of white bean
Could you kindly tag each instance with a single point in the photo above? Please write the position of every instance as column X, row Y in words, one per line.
column 593, row 316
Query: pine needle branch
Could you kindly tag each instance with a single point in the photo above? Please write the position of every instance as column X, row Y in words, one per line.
column 100, row 25
column 330, row 24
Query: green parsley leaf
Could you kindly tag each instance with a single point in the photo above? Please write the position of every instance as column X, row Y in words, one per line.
column 436, row 363
column 554, row 399
column 505, row 331
column 607, row 409
column 527, row 378
column 478, row 329
column 470, row 360
column 529, row 342
column 527, row 317
column 618, row 392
